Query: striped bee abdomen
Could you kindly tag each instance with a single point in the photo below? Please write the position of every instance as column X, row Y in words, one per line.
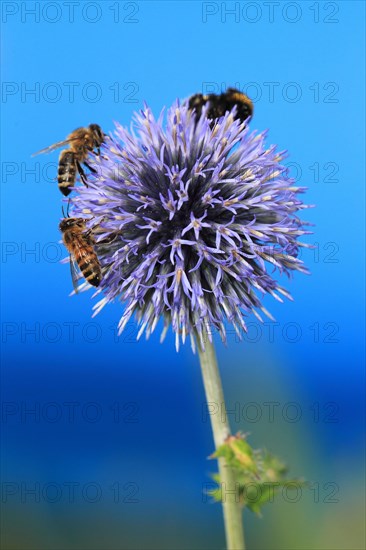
column 89, row 266
column 66, row 171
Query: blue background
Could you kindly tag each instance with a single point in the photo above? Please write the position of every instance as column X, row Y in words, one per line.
column 138, row 416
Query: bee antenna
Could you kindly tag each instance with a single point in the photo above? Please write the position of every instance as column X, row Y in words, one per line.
column 67, row 211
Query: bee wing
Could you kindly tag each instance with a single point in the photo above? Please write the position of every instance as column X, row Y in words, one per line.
column 75, row 273
column 54, row 146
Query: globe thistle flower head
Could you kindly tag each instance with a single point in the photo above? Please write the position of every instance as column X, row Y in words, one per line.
column 190, row 217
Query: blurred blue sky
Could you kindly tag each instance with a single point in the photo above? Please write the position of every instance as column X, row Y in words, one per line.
column 111, row 410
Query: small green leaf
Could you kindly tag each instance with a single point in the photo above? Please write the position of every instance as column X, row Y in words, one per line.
column 238, row 453
column 259, row 474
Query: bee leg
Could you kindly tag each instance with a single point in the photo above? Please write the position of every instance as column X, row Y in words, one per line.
column 90, row 168
column 82, row 174
column 89, row 237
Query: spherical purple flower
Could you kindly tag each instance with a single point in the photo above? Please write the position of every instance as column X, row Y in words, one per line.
column 188, row 217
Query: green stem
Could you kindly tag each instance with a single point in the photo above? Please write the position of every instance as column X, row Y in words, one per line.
column 221, row 430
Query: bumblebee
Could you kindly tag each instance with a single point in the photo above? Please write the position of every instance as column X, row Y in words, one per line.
column 219, row 104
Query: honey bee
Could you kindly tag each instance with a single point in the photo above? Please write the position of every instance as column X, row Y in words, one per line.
column 219, row 104
column 80, row 242
column 81, row 142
